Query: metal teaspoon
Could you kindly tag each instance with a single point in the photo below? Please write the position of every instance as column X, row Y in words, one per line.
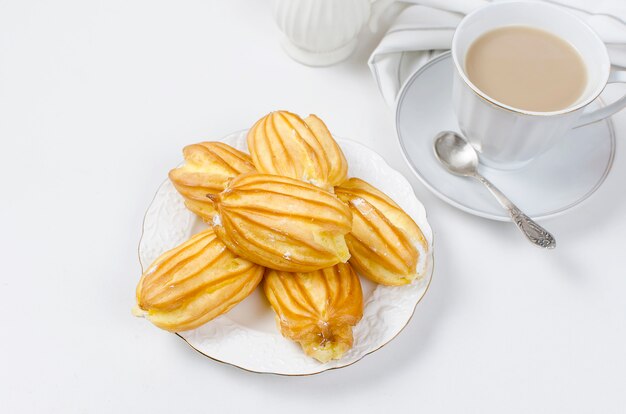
column 460, row 158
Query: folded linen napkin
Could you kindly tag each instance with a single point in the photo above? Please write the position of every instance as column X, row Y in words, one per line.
column 424, row 29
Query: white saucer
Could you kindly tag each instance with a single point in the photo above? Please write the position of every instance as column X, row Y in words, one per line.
column 548, row 186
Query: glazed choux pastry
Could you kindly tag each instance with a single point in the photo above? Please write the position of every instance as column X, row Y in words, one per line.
column 385, row 244
column 282, row 143
column 194, row 283
column 282, row 223
column 207, row 169
column 317, row 309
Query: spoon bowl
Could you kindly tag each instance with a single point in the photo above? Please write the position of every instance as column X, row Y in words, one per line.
column 455, row 153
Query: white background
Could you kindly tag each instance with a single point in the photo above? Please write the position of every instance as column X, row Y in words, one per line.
column 97, row 98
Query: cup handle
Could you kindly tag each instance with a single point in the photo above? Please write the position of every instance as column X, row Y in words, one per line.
column 618, row 76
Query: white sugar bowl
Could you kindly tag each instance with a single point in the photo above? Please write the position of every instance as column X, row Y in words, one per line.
column 320, row 32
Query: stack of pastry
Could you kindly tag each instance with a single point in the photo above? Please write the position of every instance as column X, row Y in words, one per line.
column 286, row 214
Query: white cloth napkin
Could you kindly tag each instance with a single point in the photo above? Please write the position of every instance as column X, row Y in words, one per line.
column 424, row 29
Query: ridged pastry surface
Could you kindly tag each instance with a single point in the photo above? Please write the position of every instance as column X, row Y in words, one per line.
column 317, row 309
column 282, row 223
column 194, row 283
column 337, row 163
column 282, row 143
column 208, row 167
column 385, row 244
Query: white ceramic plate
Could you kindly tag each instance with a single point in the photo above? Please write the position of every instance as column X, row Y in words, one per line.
column 550, row 185
column 247, row 336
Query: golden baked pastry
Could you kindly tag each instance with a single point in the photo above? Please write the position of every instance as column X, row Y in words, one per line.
column 282, row 143
column 317, row 309
column 282, row 223
column 337, row 163
column 386, row 245
column 194, row 283
column 208, row 168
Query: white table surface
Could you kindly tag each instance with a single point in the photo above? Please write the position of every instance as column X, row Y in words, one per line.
column 97, row 98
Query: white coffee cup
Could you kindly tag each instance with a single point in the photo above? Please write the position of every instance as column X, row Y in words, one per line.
column 507, row 137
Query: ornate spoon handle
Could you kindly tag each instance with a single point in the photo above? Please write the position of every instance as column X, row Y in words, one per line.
column 533, row 231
